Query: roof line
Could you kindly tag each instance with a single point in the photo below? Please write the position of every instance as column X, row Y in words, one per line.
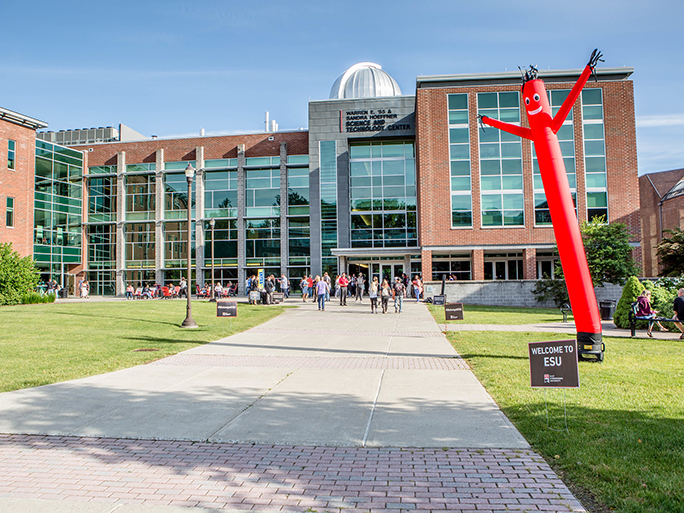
column 21, row 119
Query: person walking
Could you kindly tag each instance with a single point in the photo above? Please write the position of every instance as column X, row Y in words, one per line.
column 322, row 288
column 285, row 286
column 373, row 294
column 398, row 292
column 417, row 287
column 183, row 288
column 85, row 290
column 385, row 293
column 360, row 287
column 343, row 289
column 304, row 284
column 326, row 278
column 678, row 307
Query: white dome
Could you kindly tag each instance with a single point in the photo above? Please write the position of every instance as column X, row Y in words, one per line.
column 364, row 80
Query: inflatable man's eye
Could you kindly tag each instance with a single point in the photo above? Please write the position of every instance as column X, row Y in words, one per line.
column 527, row 101
column 536, row 97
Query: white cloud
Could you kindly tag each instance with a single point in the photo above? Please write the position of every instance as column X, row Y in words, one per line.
column 660, row 120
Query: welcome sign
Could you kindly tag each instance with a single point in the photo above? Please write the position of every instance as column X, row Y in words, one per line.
column 554, row 364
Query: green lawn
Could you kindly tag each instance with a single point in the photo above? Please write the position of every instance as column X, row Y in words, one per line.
column 626, row 421
column 477, row 314
column 48, row 343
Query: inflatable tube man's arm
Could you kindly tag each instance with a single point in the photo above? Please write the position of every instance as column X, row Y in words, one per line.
column 520, row 131
column 563, row 112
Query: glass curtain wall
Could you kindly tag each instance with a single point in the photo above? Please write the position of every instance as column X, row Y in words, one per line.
column 501, row 178
column 383, row 194
column 328, row 187
column 298, row 219
column 262, row 212
column 57, row 209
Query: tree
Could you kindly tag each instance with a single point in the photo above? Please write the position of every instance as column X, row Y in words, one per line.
column 609, row 257
column 609, row 254
column 670, row 251
column 17, row 275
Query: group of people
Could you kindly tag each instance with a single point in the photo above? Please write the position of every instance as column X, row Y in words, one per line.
column 148, row 291
column 319, row 289
column 267, row 291
column 644, row 310
column 219, row 290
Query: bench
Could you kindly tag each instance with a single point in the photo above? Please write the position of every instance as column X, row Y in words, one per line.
column 633, row 318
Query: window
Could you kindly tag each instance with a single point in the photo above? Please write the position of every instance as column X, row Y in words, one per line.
column 140, row 197
column 459, row 161
column 220, row 194
column 383, row 194
column 11, row 148
column 451, row 267
column 9, row 217
column 566, row 138
column 594, row 153
column 501, row 175
column 262, row 191
column 503, row 266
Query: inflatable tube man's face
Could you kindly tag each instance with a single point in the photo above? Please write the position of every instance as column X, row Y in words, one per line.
column 536, row 102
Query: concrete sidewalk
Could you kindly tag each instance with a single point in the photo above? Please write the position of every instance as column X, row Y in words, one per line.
column 368, row 386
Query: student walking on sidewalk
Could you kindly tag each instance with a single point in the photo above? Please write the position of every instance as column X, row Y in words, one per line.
column 373, row 294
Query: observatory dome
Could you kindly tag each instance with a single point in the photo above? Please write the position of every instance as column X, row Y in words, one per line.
column 364, row 80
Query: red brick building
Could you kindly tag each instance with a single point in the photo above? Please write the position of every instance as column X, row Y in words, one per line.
column 662, row 208
column 17, row 162
column 481, row 203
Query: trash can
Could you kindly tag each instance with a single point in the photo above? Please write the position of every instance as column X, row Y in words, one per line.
column 607, row 309
column 63, row 293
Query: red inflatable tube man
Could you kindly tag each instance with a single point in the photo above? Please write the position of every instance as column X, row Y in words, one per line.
column 542, row 131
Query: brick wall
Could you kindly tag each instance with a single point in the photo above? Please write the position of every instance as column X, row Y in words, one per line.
column 222, row 147
column 17, row 184
column 504, row 293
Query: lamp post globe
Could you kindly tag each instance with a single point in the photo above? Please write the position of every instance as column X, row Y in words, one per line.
column 189, row 322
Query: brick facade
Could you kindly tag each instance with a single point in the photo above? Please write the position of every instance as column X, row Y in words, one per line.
column 17, row 183
column 434, row 194
column 658, row 213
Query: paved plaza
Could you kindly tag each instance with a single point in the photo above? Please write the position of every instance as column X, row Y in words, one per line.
column 320, row 411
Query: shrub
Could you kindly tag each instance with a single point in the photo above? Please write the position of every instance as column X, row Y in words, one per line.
column 17, row 275
column 630, row 292
column 32, row 298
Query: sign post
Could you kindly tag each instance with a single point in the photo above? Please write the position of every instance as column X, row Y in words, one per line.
column 554, row 364
column 226, row 308
column 453, row 311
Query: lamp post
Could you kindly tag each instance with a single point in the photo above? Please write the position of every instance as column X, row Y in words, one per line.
column 212, row 223
column 189, row 322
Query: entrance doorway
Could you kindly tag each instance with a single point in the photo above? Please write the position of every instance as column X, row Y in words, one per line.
column 380, row 270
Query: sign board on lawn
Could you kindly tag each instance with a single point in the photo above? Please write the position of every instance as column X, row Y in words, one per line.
column 438, row 299
column 254, row 295
column 554, row 364
column 226, row 308
column 453, row 312
column 278, row 297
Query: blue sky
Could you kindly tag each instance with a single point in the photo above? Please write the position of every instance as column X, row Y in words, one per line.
column 170, row 68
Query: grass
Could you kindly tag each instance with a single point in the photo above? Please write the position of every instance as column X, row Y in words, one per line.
column 478, row 314
column 49, row 343
column 626, row 422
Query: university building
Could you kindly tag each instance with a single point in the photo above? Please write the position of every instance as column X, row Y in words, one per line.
column 381, row 183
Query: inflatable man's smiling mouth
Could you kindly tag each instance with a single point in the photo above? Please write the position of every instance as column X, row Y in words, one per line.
column 535, row 111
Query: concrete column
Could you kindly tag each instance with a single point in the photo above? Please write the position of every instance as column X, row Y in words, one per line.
column 477, row 264
column 407, row 265
column 242, row 260
column 284, row 245
column 343, row 264
column 159, row 218
column 120, row 219
column 530, row 264
column 199, row 216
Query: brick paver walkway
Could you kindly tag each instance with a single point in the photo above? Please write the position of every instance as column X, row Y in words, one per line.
column 287, row 478
column 313, row 362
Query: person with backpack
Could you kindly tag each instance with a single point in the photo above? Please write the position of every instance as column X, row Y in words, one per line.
column 385, row 293
column 373, row 294
column 398, row 293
